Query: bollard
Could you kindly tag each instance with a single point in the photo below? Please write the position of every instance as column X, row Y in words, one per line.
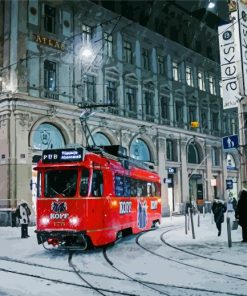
column 192, row 224
column 188, row 224
column 198, row 220
column 212, row 217
column 186, row 230
column 229, row 236
column 203, row 211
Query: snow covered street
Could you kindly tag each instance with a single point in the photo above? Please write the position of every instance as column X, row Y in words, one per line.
column 161, row 262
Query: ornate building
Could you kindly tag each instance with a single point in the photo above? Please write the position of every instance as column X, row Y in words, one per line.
column 58, row 57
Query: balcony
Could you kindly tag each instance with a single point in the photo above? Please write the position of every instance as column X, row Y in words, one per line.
column 51, row 95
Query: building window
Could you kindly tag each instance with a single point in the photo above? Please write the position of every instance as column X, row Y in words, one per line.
column 139, row 150
column 192, row 114
column 189, row 76
column 149, row 107
column 204, row 119
column 215, row 156
column 91, row 88
column 127, row 54
column 145, row 59
column 99, row 139
column 193, row 154
column 108, row 44
column 179, row 112
column 221, row 89
column 201, row 82
column 50, row 19
column 86, row 34
column 175, row 71
column 50, row 75
column 161, row 65
column 131, row 99
column 164, row 108
column 169, row 150
column 211, row 81
column 111, row 92
column 215, row 121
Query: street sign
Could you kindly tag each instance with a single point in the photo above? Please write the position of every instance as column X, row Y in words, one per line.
column 230, row 142
column 171, row 170
column 167, row 180
column 229, row 184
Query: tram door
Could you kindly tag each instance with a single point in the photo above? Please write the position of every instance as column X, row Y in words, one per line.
column 33, row 181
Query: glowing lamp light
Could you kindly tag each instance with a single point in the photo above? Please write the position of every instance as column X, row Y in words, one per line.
column 114, row 203
column 74, row 221
column 211, row 5
column 86, row 53
column 44, row 220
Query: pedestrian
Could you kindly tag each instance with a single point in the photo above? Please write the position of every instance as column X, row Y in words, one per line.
column 241, row 212
column 218, row 209
column 23, row 212
column 234, row 203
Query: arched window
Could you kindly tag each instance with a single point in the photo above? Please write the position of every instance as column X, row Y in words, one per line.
column 139, row 150
column 193, row 154
column 99, row 139
column 47, row 136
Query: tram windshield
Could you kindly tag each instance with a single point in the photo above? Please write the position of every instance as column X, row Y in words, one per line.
column 60, row 183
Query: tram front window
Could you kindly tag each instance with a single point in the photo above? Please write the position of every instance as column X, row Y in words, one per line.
column 60, row 183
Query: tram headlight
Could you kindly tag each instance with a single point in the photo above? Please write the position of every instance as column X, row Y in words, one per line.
column 74, row 221
column 114, row 203
column 44, row 220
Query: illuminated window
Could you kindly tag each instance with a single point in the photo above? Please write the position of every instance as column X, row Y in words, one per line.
column 189, row 76
column 50, row 75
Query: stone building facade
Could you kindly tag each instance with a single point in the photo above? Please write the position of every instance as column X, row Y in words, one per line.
column 59, row 57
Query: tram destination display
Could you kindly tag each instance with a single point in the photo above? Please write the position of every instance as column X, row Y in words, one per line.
column 62, row 155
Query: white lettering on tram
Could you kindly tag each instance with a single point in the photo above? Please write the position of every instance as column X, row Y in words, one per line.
column 59, row 216
column 125, row 207
column 154, row 205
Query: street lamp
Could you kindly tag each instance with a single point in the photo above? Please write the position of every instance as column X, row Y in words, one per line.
column 211, row 5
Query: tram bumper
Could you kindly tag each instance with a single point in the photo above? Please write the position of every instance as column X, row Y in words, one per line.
column 60, row 236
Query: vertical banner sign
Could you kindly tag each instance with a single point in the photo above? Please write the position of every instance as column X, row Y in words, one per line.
column 242, row 16
column 230, row 86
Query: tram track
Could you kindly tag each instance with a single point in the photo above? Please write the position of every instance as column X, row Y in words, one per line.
column 137, row 239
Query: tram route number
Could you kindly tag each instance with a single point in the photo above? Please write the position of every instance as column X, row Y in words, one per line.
column 125, row 207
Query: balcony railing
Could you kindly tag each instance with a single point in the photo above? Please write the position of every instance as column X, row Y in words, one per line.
column 51, row 95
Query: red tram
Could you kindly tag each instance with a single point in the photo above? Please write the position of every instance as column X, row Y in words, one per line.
column 93, row 197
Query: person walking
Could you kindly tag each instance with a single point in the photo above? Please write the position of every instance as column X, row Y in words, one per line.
column 218, row 209
column 23, row 212
column 241, row 212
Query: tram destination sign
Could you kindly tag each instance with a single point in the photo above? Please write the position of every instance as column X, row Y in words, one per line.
column 62, row 155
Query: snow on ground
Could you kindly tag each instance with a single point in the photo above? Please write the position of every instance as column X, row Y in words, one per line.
column 131, row 259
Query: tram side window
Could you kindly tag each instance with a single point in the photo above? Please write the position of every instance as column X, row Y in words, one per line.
column 150, row 191
column 97, row 183
column 127, row 186
column 156, row 189
column 119, row 185
column 84, row 182
column 133, row 187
